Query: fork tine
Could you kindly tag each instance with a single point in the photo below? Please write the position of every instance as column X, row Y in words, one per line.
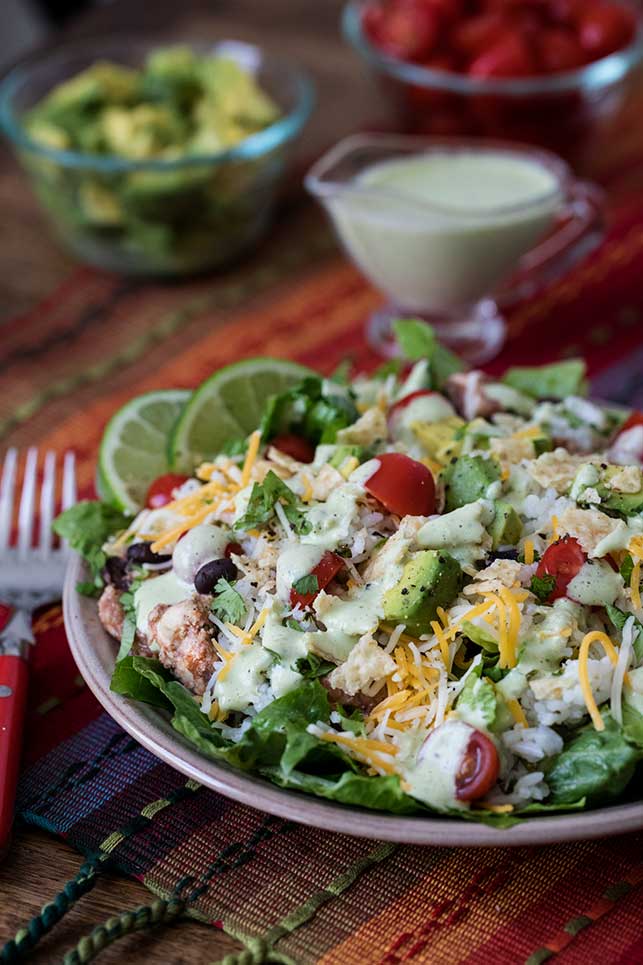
column 7, row 488
column 69, row 480
column 27, row 503
column 47, row 503
column 69, row 487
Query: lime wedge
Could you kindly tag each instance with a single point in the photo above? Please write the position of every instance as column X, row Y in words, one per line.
column 133, row 451
column 227, row 406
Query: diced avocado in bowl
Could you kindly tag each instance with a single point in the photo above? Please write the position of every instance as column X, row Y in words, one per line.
column 156, row 161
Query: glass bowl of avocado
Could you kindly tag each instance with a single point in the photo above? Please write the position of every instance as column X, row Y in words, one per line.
column 154, row 160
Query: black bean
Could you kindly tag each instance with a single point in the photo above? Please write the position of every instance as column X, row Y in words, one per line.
column 116, row 572
column 210, row 574
column 508, row 554
column 142, row 553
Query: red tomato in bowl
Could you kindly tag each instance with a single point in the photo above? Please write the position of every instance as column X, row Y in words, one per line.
column 327, row 569
column 604, row 28
column 160, row 492
column 560, row 50
column 509, row 56
column 562, row 560
column 403, row 485
column 409, row 30
column 294, row 446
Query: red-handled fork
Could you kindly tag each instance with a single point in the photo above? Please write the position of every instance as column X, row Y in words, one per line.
column 29, row 576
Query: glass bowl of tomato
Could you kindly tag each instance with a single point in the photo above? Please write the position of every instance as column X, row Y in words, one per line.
column 555, row 73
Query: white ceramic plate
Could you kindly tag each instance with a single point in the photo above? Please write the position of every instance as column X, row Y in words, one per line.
column 94, row 651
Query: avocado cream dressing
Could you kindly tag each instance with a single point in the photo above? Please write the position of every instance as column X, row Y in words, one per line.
column 442, row 227
column 167, row 588
column 431, row 772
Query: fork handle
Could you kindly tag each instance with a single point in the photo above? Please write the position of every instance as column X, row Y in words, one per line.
column 13, row 699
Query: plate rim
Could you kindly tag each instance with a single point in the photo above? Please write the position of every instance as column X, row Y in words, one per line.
column 92, row 648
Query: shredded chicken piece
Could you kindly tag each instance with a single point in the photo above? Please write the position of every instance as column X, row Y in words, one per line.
column 112, row 615
column 466, row 391
column 183, row 633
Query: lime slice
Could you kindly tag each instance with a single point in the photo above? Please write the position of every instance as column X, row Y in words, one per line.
column 133, row 451
column 227, row 406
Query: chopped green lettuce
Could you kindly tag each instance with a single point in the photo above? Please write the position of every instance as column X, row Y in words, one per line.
column 417, row 340
column 555, row 381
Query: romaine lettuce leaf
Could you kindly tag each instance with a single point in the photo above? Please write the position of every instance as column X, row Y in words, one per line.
column 86, row 526
column 417, row 340
column 308, row 411
column 555, row 381
column 596, row 765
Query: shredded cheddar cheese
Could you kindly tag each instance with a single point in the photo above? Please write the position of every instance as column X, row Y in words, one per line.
column 635, row 585
column 594, row 636
column 442, row 641
column 529, row 552
column 251, row 455
column 517, row 712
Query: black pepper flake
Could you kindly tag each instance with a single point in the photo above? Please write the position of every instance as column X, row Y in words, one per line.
column 404, row 591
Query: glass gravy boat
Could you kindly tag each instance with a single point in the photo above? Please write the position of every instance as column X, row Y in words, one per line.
column 454, row 266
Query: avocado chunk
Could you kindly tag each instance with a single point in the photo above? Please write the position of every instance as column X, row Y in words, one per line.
column 467, row 479
column 440, row 440
column 506, row 526
column 555, row 381
column 615, row 487
column 430, row 579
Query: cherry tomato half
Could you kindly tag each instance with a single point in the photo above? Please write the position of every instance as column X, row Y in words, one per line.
column 479, row 768
column 160, row 492
column 562, row 560
column 634, row 419
column 406, row 399
column 294, row 446
column 328, row 567
column 403, row 485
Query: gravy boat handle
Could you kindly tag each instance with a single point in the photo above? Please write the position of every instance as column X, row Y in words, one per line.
column 581, row 228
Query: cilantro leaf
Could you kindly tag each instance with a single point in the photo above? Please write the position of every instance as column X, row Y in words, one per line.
column 306, row 584
column 128, row 603
column 263, row 499
column 86, row 526
column 313, row 666
column 619, row 618
column 541, row 587
column 235, row 447
column 626, row 568
column 294, row 625
column 352, row 722
column 228, row 604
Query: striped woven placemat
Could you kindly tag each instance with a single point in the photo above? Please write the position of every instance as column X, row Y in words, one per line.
column 291, row 893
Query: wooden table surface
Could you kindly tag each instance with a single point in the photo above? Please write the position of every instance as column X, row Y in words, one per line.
column 31, row 264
